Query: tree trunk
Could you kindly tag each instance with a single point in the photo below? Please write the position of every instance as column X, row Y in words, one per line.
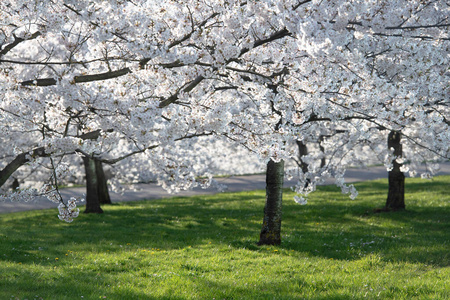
column 302, row 151
column 322, row 149
column 102, row 186
column 15, row 185
column 396, row 193
column 92, row 199
column 271, row 228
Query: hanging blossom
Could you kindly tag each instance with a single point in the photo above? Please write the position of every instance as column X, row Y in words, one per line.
column 69, row 211
column 300, row 200
column 25, row 195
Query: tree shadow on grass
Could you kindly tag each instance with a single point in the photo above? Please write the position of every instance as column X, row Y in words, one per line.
column 169, row 224
column 64, row 282
column 349, row 231
column 324, row 229
column 274, row 290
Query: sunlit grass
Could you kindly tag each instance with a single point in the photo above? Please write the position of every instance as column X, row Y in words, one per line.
column 205, row 248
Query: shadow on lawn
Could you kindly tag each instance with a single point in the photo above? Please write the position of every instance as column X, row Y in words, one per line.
column 66, row 281
column 412, row 185
column 274, row 290
column 324, row 229
column 412, row 236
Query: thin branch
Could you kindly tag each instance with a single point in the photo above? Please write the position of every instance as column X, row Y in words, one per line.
column 115, row 160
column 300, row 4
column 17, row 41
column 20, row 160
column 79, row 79
column 417, row 26
column 55, row 180
column 273, row 37
column 49, row 63
column 144, row 61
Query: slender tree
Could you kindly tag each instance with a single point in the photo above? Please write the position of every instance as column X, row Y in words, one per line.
column 102, row 189
column 271, row 228
column 92, row 187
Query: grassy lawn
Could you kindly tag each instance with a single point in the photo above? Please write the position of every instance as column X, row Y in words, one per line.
column 205, row 248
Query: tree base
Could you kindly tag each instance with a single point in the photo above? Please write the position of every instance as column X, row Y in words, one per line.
column 269, row 239
column 388, row 209
column 271, row 228
column 93, row 211
column 268, row 243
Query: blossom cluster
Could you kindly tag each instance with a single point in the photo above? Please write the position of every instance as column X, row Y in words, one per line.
column 69, row 211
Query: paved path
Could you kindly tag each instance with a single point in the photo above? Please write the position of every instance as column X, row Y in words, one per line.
column 234, row 184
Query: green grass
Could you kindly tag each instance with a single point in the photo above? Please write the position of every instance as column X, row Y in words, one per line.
column 205, row 248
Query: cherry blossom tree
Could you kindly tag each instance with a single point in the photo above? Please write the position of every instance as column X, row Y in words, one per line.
column 263, row 74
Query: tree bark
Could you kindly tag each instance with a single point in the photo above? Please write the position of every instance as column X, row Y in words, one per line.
column 396, row 193
column 102, row 186
column 302, row 151
column 22, row 158
column 322, row 149
column 19, row 161
column 15, row 185
column 271, row 227
column 92, row 199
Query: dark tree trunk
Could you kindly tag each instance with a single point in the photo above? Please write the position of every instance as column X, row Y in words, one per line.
column 322, row 149
column 15, row 184
column 302, row 151
column 271, row 228
column 102, row 186
column 396, row 193
column 92, row 199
